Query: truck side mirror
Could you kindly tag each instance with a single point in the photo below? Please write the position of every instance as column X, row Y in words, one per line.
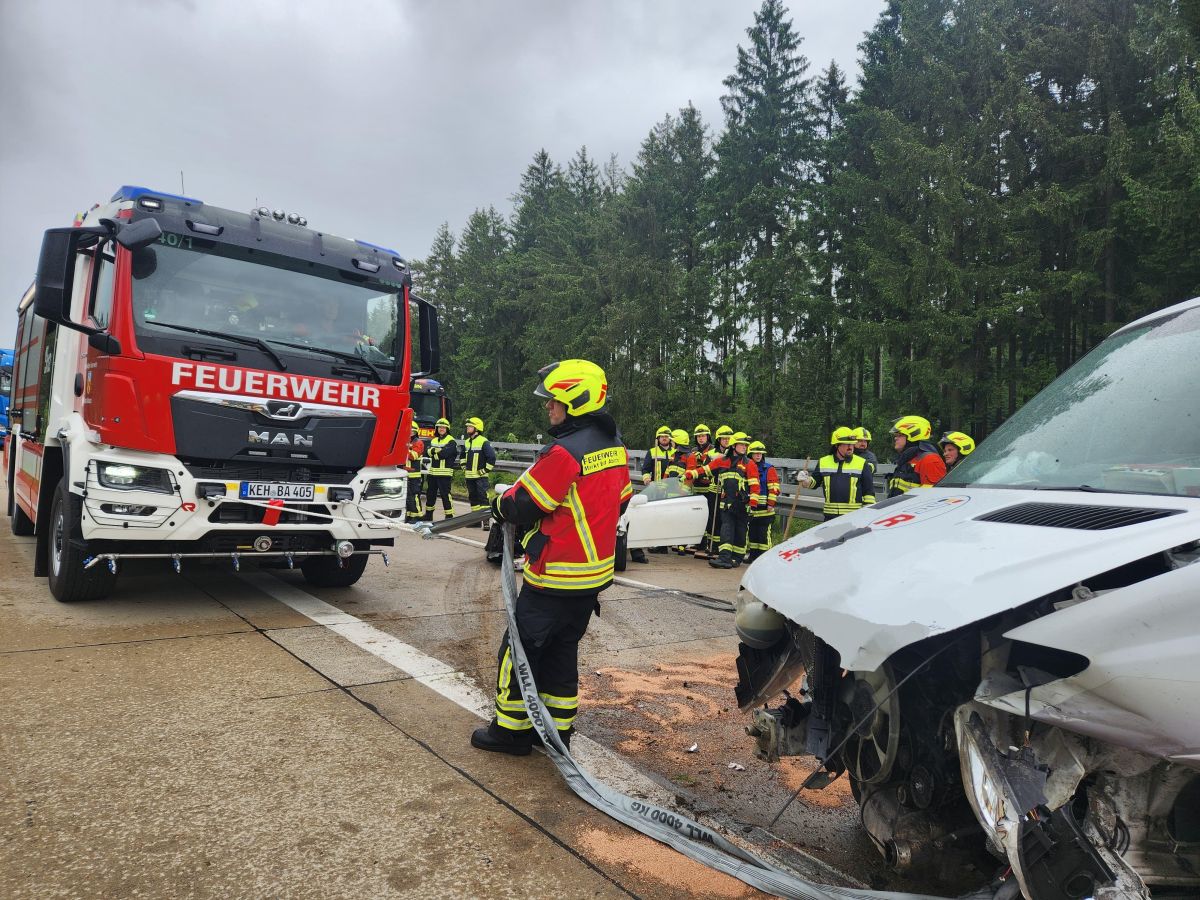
column 55, row 272
column 431, row 353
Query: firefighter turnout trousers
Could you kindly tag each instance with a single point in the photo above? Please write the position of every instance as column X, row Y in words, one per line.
column 759, row 538
column 438, row 486
column 551, row 627
column 414, row 508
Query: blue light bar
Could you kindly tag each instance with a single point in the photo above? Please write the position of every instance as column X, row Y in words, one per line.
column 377, row 247
column 132, row 192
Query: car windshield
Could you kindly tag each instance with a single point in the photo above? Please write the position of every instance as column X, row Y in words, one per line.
column 665, row 489
column 287, row 303
column 1124, row 418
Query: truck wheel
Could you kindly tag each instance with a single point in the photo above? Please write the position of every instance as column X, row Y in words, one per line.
column 621, row 559
column 324, row 571
column 70, row 582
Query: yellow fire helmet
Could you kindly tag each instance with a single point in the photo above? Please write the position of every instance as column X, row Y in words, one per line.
column 477, row 423
column 663, row 429
column 964, row 442
column 740, row 438
column 441, row 422
column 914, row 428
column 862, row 434
column 844, row 435
column 724, row 431
column 757, row 447
column 681, row 437
column 701, row 429
column 579, row 384
column 416, row 429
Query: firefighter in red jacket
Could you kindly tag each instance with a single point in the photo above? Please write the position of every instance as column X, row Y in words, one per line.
column 919, row 464
column 565, row 507
column 413, row 507
column 703, row 452
column 762, row 516
column 737, row 485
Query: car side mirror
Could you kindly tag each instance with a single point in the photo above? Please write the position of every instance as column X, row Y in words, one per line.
column 56, row 270
column 639, row 500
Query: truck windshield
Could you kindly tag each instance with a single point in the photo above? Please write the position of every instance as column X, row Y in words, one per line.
column 427, row 408
column 1124, row 418
column 293, row 306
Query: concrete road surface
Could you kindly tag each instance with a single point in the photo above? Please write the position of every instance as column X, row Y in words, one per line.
column 220, row 734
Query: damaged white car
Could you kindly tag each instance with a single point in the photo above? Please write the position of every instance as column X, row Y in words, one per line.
column 1012, row 658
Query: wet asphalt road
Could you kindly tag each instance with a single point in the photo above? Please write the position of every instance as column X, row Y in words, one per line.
column 224, row 734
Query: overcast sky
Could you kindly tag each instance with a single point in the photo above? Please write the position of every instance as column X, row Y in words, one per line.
column 376, row 119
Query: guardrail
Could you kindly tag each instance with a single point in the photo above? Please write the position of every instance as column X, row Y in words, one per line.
column 793, row 500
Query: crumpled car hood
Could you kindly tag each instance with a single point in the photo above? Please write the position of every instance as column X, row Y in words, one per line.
column 925, row 565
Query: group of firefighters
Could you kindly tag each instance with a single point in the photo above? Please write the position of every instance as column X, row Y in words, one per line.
column 728, row 468
column 742, row 487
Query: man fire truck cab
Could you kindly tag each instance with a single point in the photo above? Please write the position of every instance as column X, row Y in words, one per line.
column 429, row 403
column 195, row 382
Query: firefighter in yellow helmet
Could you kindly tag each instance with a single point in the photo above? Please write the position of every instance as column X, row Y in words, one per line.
column 566, row 505
column 737, row 480
column 478, row 460
column 700, row 474
column 848, row 480
column 918, row 463
column 762, row 514
column 441, row 456
column 413, row 508
column 704, row 452
column 654, row 464
column 955, row 445
column 862, row 445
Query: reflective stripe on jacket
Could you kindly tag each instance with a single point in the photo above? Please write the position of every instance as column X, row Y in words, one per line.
column 442, row 453
column 919, row 465
column 849, row 484
column 697, row 460
column 479, row 457
column 655, row 462
column 578, row 486
column 768, row 489
column 413, row 463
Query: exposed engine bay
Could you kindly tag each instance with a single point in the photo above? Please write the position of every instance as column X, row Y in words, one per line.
column 1062, row 734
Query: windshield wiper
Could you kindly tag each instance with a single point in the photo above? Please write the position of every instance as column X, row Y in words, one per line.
column 236, row 338
column 356, row 357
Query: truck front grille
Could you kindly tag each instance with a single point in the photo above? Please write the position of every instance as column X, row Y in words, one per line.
column 215, row 470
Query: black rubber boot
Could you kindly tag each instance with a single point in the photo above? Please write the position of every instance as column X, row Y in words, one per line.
column 724, row 561
column 638, row 555
column 495, row 739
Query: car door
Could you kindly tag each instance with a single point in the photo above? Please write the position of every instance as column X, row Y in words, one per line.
column 664, row 514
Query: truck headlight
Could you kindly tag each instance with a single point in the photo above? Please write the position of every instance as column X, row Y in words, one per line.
column 384, row 487
column 124, row 477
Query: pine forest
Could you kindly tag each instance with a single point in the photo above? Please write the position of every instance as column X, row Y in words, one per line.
column 1003, row 184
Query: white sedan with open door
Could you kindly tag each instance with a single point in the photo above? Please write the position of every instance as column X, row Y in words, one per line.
column 665, row 514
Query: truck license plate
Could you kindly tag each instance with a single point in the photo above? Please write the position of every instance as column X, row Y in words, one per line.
column 274, row 490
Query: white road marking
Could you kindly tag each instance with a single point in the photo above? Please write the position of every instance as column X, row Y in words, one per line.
column 433, row 673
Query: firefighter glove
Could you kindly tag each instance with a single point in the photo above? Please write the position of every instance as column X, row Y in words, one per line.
column 496, row 513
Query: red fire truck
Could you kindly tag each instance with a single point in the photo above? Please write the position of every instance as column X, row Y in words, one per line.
column 196, row 382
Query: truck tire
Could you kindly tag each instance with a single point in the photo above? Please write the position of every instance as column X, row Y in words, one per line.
column 70, row 582
column 324, row 571
column 621, row 558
